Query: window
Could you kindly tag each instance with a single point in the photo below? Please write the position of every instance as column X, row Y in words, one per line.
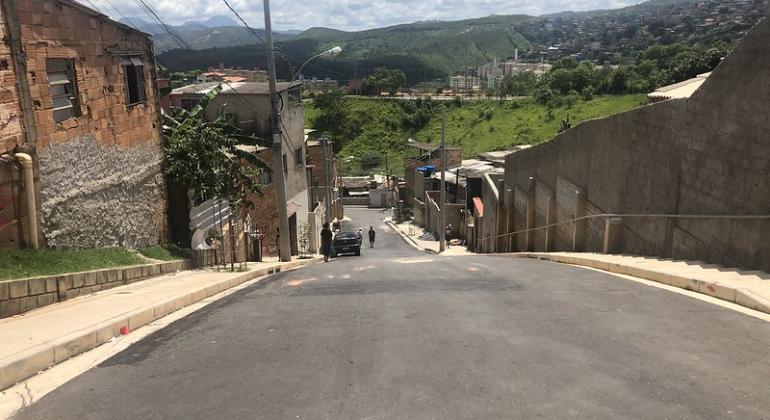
column 295, row 96
column 63, row 88
column 133, row 71
column 189, row 104
column 264, row 178
column 285, row 164
column 298, row 161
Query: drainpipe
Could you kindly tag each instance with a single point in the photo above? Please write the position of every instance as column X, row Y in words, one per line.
column 29, row 192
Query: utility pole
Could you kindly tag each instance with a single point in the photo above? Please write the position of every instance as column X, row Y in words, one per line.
column 442, row 194
column 284, row 245
column 327, row 180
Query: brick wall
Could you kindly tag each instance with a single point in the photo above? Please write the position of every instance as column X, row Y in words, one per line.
column 99, row 174
column 10, row 112
column 709, row 154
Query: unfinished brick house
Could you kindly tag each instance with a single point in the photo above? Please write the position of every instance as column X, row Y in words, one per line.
column 78, row 96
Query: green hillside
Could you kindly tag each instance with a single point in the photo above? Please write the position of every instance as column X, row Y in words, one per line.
column 383, row 126
column 444, row 46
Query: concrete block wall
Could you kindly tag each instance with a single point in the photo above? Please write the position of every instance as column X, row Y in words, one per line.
column 709, row 154
column 19, row 296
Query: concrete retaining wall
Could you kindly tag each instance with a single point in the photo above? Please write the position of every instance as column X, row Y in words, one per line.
column 709, row 154
column 18, row 296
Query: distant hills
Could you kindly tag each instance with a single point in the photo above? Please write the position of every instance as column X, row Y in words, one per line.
column 431, row 50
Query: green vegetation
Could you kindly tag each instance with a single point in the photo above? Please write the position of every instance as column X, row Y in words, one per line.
column 366, row 129
column 15, row 264
column 165, row 252
column 203, row 156
column 484, row 126
column 384, row 80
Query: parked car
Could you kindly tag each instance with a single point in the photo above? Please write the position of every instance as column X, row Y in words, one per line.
column 346, row 243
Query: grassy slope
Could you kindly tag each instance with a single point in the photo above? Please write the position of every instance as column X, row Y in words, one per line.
column 527, row 124
column 16, row 264
column 466, row 125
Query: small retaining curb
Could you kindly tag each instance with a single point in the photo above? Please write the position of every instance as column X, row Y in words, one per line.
column 740, row 296
column 409, row 239
column 28, row 363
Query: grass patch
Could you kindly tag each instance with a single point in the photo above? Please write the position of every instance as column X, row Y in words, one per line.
column 165, row 252
column 15, row 264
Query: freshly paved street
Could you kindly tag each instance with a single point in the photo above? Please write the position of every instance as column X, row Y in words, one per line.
column 398, row 333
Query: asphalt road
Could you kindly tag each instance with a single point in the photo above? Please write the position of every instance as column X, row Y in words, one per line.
column 400, row 334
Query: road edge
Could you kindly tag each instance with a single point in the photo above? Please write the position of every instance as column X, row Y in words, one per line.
column 739, row 296
column 28, row 364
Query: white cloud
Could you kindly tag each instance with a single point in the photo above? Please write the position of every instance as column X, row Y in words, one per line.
column 346, row 14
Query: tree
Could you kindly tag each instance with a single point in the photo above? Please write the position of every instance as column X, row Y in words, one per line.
column 384, row 80
column 520, row 84
column 335, row 117
column 203, row 155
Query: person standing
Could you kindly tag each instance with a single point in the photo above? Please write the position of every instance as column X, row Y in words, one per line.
column 326, row 242
column 372, row 234
column 360, row 237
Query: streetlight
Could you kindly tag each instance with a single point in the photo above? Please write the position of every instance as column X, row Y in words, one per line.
column 328, row 53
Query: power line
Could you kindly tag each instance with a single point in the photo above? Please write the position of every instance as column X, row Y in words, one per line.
column 252, row 30
column 163, row 24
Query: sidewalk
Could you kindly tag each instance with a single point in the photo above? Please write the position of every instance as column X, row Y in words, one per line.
column 41, row 338
column 412, row 235
column 746, row 288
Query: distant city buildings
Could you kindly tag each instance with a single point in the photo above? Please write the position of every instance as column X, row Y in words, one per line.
column 464, row 82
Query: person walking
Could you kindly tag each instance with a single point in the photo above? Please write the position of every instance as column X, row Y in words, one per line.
column 326, row 242
column 360, row 237
column 372, row 234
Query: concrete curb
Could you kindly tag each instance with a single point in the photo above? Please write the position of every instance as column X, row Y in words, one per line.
column 740, row 296
column 32, row 361
column 408, row 238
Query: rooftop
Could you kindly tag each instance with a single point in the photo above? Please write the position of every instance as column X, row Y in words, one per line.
column 428, row 147
column 680, row 90
column 237, row 88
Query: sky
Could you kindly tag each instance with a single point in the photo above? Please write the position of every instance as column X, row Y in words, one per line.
column 349, row 15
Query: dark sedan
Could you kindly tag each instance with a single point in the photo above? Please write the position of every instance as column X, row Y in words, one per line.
column 346, row 243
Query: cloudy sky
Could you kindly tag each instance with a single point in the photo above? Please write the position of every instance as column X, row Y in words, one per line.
column 346, row 14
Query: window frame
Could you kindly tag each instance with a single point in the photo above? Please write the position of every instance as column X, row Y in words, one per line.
column 70, row 87
column 133, row 80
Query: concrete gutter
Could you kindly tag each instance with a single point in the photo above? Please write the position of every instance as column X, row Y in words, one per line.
column 29, row 362
column 742, row 288
column 408, row 238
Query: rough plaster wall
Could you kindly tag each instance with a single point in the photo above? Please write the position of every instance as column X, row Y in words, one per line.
column 706, row 155
column 98, row 196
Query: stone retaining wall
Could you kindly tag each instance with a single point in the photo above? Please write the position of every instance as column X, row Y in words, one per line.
column 19, row 296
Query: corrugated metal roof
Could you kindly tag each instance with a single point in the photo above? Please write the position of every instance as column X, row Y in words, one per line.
column 681, row 90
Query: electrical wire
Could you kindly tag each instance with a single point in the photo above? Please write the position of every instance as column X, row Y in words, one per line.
column 252, row 30
column 166, row 27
